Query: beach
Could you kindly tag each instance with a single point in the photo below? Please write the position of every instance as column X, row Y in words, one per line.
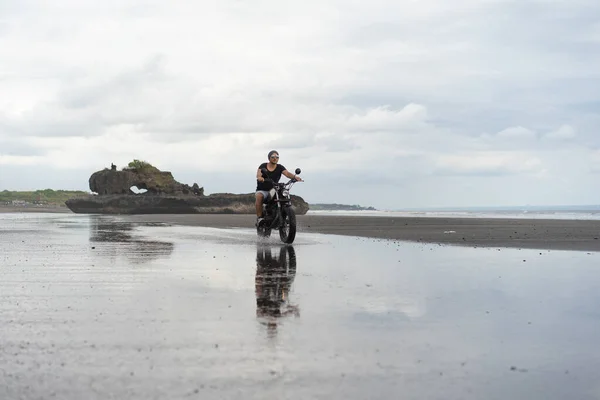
column 196, row 306
column 534, row 233
column 548, row 234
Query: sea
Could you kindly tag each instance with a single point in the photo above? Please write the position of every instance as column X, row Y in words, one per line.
column 562, row 212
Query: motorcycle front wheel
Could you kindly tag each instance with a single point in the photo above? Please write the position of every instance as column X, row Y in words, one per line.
column 287, row 230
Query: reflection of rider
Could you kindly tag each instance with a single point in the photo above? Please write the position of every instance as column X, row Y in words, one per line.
column 274, row 171
column 274, row 278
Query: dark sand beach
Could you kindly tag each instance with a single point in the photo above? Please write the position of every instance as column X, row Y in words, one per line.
column 582, row 235
column 167, row 306
column 548, row 234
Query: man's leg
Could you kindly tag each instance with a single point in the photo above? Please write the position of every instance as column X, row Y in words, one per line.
column 259, row 202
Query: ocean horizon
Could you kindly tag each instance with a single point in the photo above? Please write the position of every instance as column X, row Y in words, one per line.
column 591, row 212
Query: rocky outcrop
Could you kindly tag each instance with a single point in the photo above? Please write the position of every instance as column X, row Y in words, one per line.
column 112, row 194
column 147, row 177
column 171, row 204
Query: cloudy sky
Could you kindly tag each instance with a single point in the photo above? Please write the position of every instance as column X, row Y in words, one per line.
column 390, row 103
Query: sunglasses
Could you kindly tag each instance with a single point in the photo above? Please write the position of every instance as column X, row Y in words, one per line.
column 274, row 156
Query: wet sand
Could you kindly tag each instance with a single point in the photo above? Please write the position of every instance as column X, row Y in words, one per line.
column 476, row 232
column 548, row 234
column 96, row 307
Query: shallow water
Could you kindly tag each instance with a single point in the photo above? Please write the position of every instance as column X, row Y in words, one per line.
column 99, row 307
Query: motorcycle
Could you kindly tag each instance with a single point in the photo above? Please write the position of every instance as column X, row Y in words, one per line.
column 278, row 212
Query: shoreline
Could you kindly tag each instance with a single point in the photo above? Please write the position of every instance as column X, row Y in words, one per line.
column 543, row 234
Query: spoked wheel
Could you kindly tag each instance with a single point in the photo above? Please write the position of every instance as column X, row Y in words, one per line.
column 287, row 231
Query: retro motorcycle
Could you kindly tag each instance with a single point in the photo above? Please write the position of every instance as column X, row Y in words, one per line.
column 278, row 212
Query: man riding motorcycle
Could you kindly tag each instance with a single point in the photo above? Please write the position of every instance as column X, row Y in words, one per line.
column 274, row 172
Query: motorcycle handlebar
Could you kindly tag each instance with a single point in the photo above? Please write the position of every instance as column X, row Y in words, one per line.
column 280, row 183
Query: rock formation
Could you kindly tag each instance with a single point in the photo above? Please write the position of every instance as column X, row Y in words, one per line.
column 113, row 194
column 144, row 177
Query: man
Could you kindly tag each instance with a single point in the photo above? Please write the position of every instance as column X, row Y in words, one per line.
column 274, row 171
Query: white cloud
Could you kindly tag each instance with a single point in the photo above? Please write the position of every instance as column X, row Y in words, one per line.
column 517, row 133
column 565, row 132
column 412, row 95
column 488, row 163
column 595, row 162
column 19, row 160
column 385, row 119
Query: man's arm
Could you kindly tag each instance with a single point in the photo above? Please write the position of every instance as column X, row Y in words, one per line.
column 291, row 176
column 259, row 176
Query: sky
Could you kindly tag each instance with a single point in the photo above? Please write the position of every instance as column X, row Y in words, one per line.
column 386, row 103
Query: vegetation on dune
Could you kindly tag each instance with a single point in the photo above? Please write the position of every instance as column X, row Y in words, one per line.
column 46, row 196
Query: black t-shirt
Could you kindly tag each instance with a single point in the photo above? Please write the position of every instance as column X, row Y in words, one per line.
column 275, row 175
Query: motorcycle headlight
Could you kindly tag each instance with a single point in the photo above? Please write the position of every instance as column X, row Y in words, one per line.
column 286, row 193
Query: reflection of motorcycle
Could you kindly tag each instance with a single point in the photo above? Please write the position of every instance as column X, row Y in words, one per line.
column 278, row 212
column 274, row 278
